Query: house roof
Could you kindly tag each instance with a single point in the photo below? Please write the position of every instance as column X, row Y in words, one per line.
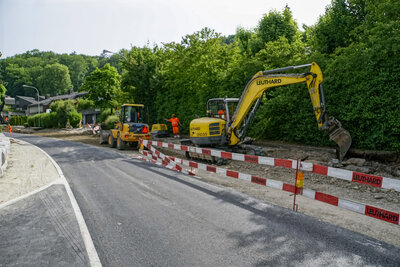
column 27, row 98
column 48, row 101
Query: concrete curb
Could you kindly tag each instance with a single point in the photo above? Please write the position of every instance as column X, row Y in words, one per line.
column 4, row 152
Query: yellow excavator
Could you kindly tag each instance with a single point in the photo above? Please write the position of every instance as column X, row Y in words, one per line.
column 229, row 118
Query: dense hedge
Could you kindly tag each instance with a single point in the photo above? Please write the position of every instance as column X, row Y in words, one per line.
column 62, row 113
column 50, row 120
column 18, row 120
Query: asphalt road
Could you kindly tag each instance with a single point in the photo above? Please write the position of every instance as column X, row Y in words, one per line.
column 140, row 214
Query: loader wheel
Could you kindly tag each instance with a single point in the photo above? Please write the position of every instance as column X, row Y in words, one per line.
column 102, row 139
column 134, row 145
column 187, row 155
column 111, row 141
column 120, row 143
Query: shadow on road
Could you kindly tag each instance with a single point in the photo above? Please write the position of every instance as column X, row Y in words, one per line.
column 291, row 238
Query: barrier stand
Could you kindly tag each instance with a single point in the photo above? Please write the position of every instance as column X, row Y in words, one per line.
column 191, row 157
column 295, row 206
column 298, row 184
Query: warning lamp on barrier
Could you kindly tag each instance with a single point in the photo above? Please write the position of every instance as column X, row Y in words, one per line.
column 300, row 180
column 141, row 145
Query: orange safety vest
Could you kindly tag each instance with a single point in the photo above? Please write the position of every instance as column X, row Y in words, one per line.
column 221, row 113
column 174, row 122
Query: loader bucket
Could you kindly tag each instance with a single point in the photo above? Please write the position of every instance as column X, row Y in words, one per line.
column 340, row 136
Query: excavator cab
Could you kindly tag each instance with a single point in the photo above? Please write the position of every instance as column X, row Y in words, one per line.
column 222, row 108
column 131, row 114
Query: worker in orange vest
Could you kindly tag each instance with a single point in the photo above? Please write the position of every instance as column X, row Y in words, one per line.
column 221, row 112
column 175, row 125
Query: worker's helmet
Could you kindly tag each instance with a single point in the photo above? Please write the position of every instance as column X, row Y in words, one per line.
column 173, row 115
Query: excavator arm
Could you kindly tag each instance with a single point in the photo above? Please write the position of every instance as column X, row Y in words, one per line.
column 263, row 80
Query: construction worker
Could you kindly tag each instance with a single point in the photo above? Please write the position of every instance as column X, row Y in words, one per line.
column 221, row 112
column 175, row 125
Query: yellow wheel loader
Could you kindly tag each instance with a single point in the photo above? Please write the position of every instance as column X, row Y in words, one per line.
column 229, row 118
column 128, row 129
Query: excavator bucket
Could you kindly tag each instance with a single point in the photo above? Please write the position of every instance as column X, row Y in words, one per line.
column 340, row 136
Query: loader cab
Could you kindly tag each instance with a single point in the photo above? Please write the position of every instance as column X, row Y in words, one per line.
column 222, row 108
column 132, row 113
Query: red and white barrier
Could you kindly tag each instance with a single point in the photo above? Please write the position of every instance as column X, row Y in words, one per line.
column 377, row 213
column 165, row 161
column 363, row 178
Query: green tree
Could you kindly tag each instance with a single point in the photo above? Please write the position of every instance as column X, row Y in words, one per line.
column 248, row 41
column 2, row 95
column 363, row 80
column 54, row 79
column 139, row 80
column 192, row 72
column 338, row 27
column 103, row 87
column 77, row 66
column 30, row 68
column 65, row 111
column 276, row 24
column 15, row 78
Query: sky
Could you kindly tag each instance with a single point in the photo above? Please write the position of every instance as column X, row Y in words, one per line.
column 89, row 26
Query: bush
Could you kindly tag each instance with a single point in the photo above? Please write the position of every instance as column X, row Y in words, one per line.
column 110, row 121
column 48, row 120
column 33, row 121
column 65, row 110
column 104, row 115
column 74, row 118
column 62, row 111
column 83, row 104
column 18, row 120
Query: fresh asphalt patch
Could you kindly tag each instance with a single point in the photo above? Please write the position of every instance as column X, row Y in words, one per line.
column 41, row 230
